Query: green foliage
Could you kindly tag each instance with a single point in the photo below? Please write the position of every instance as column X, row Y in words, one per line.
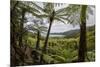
column 47, row 58
column 61, row 50
column 91, row 55
column 58, row 58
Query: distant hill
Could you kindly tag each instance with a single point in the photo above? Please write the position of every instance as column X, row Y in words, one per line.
column 73, row 33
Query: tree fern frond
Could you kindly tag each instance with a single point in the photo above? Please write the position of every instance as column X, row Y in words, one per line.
column 42, row 16
column 37, row 6
column 66, row 19
column 63, row 10
column 59, row 19
column 48, row 8
column 90, row 10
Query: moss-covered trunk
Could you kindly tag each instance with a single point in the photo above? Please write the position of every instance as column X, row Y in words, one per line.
column 82, row 42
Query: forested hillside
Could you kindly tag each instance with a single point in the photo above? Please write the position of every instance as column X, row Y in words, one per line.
column 74, row 33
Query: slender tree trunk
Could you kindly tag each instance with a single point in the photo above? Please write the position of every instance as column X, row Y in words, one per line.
column 38, row 40
column 21, row 34
column 21, row 29
column 47, row 37
column 36, row 54
column 44, row 50
column 82, row 42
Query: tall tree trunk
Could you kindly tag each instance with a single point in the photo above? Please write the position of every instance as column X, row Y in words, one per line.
column 38, row 40
column 82, row 42
column 51, row 18
column 21, row 33
column 13, row 36
column 21, row 29
column 36, row 54
column 47, row 37
column 13, row 48
column 44, row 50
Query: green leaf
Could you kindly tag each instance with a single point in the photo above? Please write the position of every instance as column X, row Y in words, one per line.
column 47, row 58
column 59, row 58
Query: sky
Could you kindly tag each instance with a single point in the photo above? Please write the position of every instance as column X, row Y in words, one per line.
column 61, row 27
